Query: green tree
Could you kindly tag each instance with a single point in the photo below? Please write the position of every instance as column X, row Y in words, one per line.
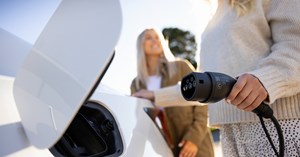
column 182, row 43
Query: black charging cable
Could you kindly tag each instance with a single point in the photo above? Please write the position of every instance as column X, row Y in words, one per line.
column 264, row 111
column 212, row 87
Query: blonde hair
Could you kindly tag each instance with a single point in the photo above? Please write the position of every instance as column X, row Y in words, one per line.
column 167, row 56
column 242, row 7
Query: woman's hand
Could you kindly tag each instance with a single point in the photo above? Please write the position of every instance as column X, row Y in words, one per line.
column 189, row 149
column 146, row 94
column 247, row 93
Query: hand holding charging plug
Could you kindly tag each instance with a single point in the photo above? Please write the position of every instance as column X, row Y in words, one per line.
column 247, row 93
column 211, row 87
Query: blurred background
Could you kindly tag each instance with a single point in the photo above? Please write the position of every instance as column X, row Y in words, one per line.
column 187, row 16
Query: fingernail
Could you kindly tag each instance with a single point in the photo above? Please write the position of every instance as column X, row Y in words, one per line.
column 228, row 101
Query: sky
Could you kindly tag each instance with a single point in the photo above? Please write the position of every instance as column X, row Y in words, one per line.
column 190, row 15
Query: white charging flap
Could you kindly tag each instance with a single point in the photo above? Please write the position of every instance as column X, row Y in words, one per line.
column 63, row 66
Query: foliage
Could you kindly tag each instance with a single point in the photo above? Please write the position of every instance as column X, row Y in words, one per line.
column 182, row 43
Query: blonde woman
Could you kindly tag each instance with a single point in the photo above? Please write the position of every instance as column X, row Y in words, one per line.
column 157, row 68
column 257, row 41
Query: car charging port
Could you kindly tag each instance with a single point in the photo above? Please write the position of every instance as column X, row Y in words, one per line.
column 92, row 133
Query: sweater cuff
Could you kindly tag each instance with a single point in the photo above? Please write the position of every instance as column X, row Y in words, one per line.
column 171, row 96
column 272, row 80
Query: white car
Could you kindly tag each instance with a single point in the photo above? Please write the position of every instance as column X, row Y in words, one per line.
column 52, row 108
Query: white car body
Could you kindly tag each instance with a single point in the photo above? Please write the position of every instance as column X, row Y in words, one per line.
column 54, row 106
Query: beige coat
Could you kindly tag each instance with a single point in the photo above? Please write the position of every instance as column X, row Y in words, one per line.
column 185, row 123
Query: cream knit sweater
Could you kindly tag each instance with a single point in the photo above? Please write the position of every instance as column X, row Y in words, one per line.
column 266, row 43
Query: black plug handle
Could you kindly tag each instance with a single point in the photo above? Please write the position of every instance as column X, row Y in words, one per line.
column 211, row 87
column 227, row 82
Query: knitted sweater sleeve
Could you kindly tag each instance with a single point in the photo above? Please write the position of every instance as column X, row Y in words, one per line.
column 279, row 72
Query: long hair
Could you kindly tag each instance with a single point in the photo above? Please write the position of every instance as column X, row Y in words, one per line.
column 242, row 7
column 167, row 56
